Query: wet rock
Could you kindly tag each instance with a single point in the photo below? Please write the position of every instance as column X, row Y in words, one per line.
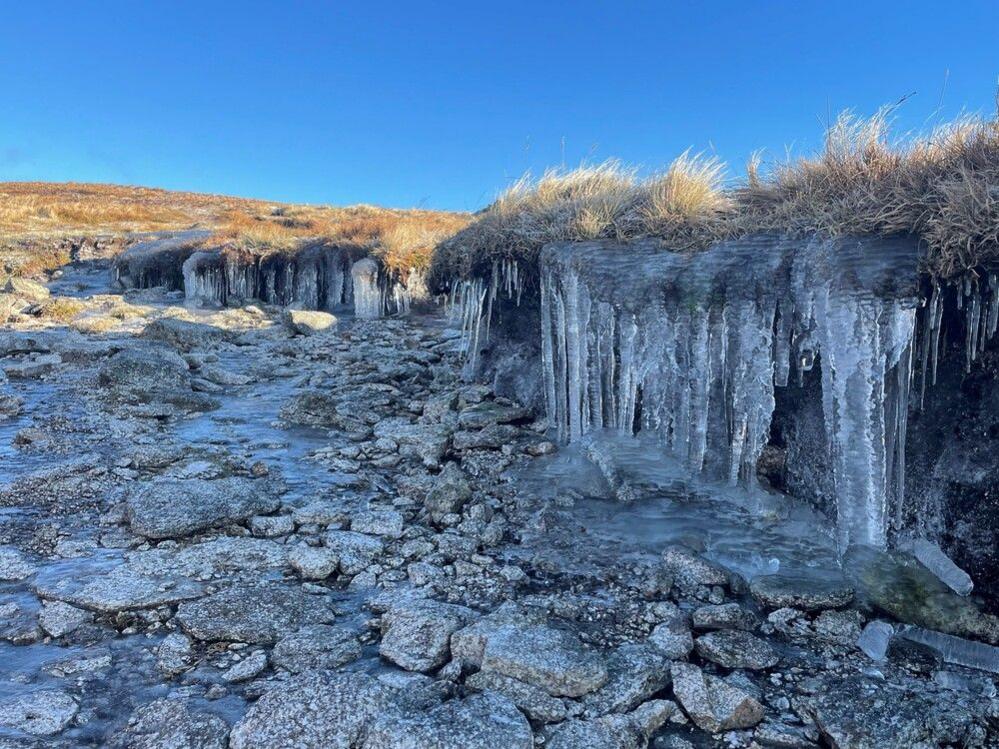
column 13, row 565
column 903, row 588
column 355, row 550
column 673, row 637
column 637, row 672
column 493, row 437
column 44, row 712
column 313, row 408
column 857, row 711
column 320, row 647
column 711, row 703
column 487, row 413
column 271, row 526
column 175, row 654
column 378, row 523
column 449, row 494
column 184, row 335
column 218, row 557
column 552, row 659
column 733, row 648
column 485, row 721
column 307, row 322
column 152, row 376
column 315, row 710
column 58, row 618
column 533, row 701
column 416, row 635
column 804, row 593
column 247, row 668
column 172, row 723
column 314, row 563
column 690, row 570
column 259, row 613
column 172, row 508
column 724, row 616
column 427, row 443
column 120, row 589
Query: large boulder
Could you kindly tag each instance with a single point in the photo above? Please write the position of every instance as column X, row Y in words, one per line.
column 184, row 335
column 307, row 322
column 416, row 634
column 174, row 508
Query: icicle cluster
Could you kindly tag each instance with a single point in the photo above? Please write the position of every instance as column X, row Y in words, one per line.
column 470, row 305
column 692, row 347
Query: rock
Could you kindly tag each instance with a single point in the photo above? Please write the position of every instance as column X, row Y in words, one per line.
column 45, row 712
column 313, row 563
column 259, row 613
column 172, row 508
column 673, row 638
column 637, row 672
column 319, row 647
column 552, row 659
column 184, row 335
column 313, row 408
column 13, row 565
column 416, row 634
column 219, row 557
column 58, row 618
column 690, row 570
column 613, row 731
column 484, row 721
column 307, row 322
column 120, row 589
column 858, row 711
column 175, row 654
column 315, row 710
column 797, row 592
column 535, row 702
column 733, row 648
column 449, row 493
column 271, row 526
column 171, row 723
column 724, row 616
column 711, row 703
column 378, row 523
column 427, row 443
column 901, row 587
column 152, row 376
column 487, row 413
column 247, row 668
column 355, row 550
column 493, row 437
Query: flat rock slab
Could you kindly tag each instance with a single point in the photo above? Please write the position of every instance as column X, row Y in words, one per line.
column 549, row 658
column 734, row 648
column 42, row 713
column 804, row 593
column 171, row 723
column 713, row 704
column 219, row 557
column 174, row 508
column 259, row 613
column 121, row 589
column 486, row 721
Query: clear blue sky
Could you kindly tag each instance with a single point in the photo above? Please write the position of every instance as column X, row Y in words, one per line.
column 442, row 104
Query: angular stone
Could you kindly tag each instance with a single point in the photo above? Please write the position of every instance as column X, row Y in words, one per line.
column 449, row 493
column 486, row 413
column 355, row 550
column 58, row 618
column 319, row 647
column 416, row 635
column 425, row 442
column 724, row 616
column 690, row 570
column 733, row 648
column 535, row 702
column 175, row 654
column 713, row 704
column 120, row 589
column 247, row 668
column 314, row 563
column 552, row 659
column 493, row 437
column 673, row 638
column 13, row 565
column 378, row 523
column 797, row 592
column 172, row 723
column 260, row 613
column 173, row 508
column 636, row 673
column 42, row 713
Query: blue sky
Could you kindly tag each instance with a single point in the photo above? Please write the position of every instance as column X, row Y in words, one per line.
column 442, row 104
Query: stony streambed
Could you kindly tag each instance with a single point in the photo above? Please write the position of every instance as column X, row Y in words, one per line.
column 239, row 528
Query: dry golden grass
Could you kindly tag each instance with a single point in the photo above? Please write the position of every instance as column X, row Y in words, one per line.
column 942, row 187
column 62, row 309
